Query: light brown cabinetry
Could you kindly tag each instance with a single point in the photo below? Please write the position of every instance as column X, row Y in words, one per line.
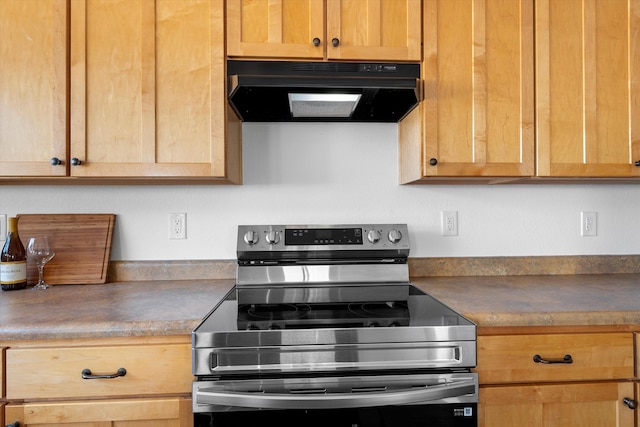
column 53, row 384
column 146, row 96
column 33, row 84
column 557, row 405
column 2, row 399
column 589, row 391
column 588, row 88
column 158, row 412
column 147, row 90
column 57, row 373
column 2, row 365
column 375, row 30
column 477, row 117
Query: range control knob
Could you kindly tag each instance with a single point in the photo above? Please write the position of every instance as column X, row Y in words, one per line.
column 373, row 236
column 395, row 236
column 273, row 237
column 251, row 237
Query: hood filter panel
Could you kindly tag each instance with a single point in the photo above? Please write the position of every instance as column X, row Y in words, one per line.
column 322, row 105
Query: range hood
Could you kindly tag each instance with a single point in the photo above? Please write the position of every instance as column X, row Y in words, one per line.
column 290, row 91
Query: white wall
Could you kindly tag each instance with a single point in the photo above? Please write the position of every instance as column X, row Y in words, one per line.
column 345, row 173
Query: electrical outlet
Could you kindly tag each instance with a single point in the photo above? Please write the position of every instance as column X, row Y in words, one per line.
column 588, row 223
column 449, row 223
column 3, row 226
column 178, row 226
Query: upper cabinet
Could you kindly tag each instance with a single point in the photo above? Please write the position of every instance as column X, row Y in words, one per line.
column 477, row 117
column 373, row 30
column 146, row 96
column 147, row 90
column 33, row 87
column 588, row 88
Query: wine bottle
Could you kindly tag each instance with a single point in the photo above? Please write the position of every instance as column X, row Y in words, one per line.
column 13, row 260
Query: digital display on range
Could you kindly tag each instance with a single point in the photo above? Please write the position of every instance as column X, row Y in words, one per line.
column 322, row 236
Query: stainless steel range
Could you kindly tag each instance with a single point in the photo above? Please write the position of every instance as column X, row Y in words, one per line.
column 324, row 328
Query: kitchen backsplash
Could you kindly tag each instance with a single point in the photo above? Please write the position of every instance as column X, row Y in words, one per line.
column 120, row 271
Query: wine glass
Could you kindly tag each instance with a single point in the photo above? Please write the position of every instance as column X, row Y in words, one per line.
column 39, row 251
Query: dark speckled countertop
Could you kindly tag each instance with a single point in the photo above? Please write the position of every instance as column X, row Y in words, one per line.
column 175, row 307
column 109, row 310
column 550, row 300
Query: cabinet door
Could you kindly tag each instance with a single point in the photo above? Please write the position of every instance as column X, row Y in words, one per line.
column 556, row 405
column 276, row 28
column 2, row 370
column 33, row 87
column 147, row 90
column 375, row 30
column 477, row 115
column 637, row 399
column 588, row 88
column 159, row 412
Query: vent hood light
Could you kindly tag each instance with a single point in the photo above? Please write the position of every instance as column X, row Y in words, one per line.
column 322, row 104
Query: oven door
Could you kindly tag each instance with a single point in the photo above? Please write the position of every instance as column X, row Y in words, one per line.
column 362, row 401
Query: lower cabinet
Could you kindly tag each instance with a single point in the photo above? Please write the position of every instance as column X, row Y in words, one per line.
column 568, row 405
column 637, row 385
column 159, row 412
column 2, row 401
column 557, row 380
column 119, row 382
column 2, row 350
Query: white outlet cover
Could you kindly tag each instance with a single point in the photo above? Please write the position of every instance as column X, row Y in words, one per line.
column 449, row 223
column 177, row 226
column 588, row 223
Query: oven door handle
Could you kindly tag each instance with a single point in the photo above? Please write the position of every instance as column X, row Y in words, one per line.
column 260, row 400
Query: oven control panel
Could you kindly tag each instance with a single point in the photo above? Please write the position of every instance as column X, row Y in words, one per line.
column 322, row 238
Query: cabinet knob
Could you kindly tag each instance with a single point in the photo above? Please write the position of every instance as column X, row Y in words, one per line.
column 433, row 161
column 316, row 42
column 335, row 42
column 14, row 424
column 55, row 161
column 76, row 161
column 637, row 163
column 631, row 403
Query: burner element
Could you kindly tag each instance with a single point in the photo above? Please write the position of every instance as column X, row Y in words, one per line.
column 322, row 315
column 379, row 309
column 277, row 311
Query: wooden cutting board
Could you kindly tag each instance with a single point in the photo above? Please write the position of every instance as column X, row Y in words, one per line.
column 82, row 243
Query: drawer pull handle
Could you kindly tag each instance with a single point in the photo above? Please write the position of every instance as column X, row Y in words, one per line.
column 87, row 375
column 14, row 424
column 631, row 403
column 567, row 359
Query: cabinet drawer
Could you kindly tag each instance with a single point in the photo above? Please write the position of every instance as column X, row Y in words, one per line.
column 510, row 358
column 169, row 411
column 44, row 373
column 2, row 350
